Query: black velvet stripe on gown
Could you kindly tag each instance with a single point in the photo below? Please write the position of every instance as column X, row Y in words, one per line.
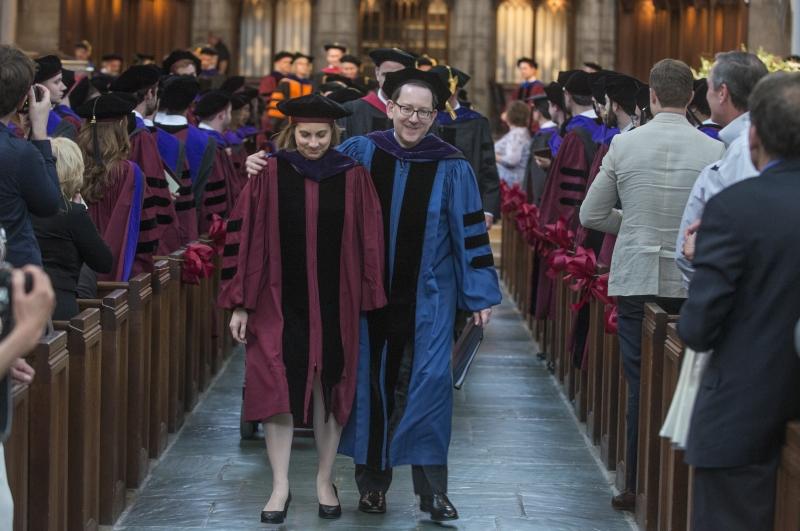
column 394, row 325
column 294, row 284
column 330, row 225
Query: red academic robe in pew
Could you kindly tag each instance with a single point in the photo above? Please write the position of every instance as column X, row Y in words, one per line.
column 83, row 471
column 673, row 486
column 140, row 293
column 787, row 505
column 113, row 401
column 49, row 415
column 654, row 334
column 16, row 450
column 162, row 331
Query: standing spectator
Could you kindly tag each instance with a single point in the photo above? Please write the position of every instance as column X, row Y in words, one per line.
column 28, row 179
column 531, row 86
column 111, row 64
column 69, row 239
column 223, row 53
column 650, row 171
column 744, row 301
column 733, row 76
column 60, row 122
column 511, row 151
column 83, row 52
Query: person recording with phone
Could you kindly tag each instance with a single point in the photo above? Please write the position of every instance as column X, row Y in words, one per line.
column 27, row 299
column 28, row 178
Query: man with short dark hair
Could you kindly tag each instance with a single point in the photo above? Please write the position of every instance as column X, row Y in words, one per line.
column 438, row 258
column 649, row 171
column 28, row 179
column 530, row 86
column 49, row 73
column 744, row 301
column 730, row 82
column 111, row 64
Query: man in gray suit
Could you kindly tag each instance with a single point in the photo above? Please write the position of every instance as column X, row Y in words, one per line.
column 650, row 172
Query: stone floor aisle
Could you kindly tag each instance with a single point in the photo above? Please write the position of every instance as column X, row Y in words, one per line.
column 518, row 460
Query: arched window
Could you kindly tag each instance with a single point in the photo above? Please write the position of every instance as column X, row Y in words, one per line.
column 269, row 26
column 419, row 26
column 528, row 30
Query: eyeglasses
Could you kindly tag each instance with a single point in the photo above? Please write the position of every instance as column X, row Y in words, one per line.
column 407, row 111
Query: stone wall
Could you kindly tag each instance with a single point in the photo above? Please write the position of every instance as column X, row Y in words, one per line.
column 770, row 26
column 595, row 32
column 333, row 21
column 472, row 34
column 219, row 17
column 38, row 25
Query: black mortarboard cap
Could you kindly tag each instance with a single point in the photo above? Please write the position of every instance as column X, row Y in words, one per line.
column 301, row 55
column 178, row 92
column 313, row 106
column 350, row 59
column 381, row 55
column 47, row 67
column 107, row 106
column 395, row 80
column 179, row 55
column 622, row 89
column 142, row 57
column 597, row 82
column 450, row 74
column 335, row 45
column 337, row 78
column 211, row 103
column 425, row 60
column 208, row 50
column 102, row 82
column 68, row 78
column 136, row 78
column 232, row 84
column 240, row 99
column 343, row 95
column 112, row 57
column 283, row 54
column 593, row 66
column 643, row 96
column 564, row 76
column 578, row 84
column 555, row 93
column 700, row 98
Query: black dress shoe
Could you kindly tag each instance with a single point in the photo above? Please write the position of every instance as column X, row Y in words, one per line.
column 439, row 506
column 624, row 501
column 276, row 517
column 330, row 512
column 373, row 502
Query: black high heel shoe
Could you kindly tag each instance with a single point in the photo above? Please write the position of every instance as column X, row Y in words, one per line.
column 331, row 512
column 276, row 517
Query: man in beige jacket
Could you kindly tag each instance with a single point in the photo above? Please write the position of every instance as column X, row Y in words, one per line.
column 649, row 172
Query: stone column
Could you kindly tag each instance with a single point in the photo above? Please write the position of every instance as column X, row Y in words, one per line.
column 796, row 27
column 770, row 26
column 8, row 22
column 333, row 21
column 595, row 32
column 219, row 17
column 472, row 46
column 38, row 25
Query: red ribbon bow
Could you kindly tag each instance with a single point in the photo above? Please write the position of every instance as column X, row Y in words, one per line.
column 217, row 233
column 528, row 223
column 197, row 263
column 512, row 197
column 611, row 319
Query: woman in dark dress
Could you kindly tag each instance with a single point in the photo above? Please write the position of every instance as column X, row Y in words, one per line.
column 303, row 258
column 69, row 239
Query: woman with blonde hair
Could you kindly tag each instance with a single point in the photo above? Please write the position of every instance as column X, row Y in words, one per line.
column 120, row 204
column 303, row 258
column 69, row 239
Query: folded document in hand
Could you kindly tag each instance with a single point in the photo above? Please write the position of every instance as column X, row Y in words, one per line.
column 464, row 351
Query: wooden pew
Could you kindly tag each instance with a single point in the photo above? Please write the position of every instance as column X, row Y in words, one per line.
column 673, row 485
column 48, row 432
column 140, row 295
column 580, row 377
column 114, row 313
column 84, row 344
column 654, row 335
column 559, row 322
column 193, row 344
column 594, row 376
column 162, row 331
column 787, row 505
column 610, row 408
column 16, row 450
column 178, row 353
column 205, row 332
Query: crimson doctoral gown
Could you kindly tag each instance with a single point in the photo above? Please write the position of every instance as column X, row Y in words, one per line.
column 304, row 256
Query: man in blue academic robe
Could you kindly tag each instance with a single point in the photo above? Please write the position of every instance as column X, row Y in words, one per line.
column 438, row 258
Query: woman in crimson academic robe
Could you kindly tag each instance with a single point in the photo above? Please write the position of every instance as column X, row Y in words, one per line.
column 303, row 258
column 115, row 190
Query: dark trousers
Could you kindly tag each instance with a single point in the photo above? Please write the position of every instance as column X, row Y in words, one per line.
column 428, row 479
column 630, row 314
column 735, row 499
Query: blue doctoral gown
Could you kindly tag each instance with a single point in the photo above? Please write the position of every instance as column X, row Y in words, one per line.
column 438, row 258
